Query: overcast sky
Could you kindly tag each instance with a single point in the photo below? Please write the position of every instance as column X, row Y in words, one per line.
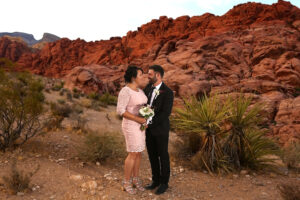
column 100, row 19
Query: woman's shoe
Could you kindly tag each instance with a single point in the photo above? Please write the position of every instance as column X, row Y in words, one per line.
column 138, row 184
column 127, row 186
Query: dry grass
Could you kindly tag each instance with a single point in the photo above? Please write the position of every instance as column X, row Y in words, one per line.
column 100, row 146
column 18, row 181
column 290, row 190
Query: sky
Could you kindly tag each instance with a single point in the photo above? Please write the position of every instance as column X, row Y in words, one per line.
column 101, row 19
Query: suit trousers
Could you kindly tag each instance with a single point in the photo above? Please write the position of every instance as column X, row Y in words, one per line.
column 157, row 147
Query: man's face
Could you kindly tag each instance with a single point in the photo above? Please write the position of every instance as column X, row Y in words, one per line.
column 152, row 76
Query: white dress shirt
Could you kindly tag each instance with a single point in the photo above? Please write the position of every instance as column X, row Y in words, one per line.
column 153, row 93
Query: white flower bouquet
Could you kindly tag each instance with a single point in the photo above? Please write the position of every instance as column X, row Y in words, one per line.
column 146, row 112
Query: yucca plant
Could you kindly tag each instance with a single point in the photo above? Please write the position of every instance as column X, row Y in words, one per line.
column 259, row 151
column 205, row 118
column 245, row 144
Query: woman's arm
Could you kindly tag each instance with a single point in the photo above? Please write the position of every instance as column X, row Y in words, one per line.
column 133, row 117
column 123, row 100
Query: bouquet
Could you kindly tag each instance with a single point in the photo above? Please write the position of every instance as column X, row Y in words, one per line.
column 147, row 113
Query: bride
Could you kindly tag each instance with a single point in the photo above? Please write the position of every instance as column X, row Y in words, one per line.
column 130, row 100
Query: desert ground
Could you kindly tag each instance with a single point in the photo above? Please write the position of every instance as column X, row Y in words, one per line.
column 62, row 175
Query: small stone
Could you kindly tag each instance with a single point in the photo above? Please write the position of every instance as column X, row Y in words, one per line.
column 235, row 176
column 76, row 177
column 247, row 176
column 98, row 163
column 20, row 193
column 243, row 172
column 60, row 160
column 52, row 197
column 91, row 185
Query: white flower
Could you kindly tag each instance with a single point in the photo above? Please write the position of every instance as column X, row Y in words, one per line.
column 146, row 112
column 156, row 92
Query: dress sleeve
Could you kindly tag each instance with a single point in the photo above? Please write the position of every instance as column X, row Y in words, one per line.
column 123, row 100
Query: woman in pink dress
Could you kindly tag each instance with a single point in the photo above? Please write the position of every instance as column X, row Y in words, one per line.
column 131, row 98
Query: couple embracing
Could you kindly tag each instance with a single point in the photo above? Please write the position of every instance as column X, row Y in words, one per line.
column 155, row 136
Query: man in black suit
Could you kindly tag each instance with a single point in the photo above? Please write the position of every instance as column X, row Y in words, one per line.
column 160, row 97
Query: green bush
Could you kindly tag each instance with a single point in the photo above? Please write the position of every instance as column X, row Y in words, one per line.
column 100, row 146
column 297, row 92
column 6, row 63
column 94, row 95
column 108, row 99
column 246, row 145
column 21, row 107
column 204, row 118
column 223, row 134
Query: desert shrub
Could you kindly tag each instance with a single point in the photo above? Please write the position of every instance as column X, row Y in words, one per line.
column 100, row 146
column 291, row 155
column 58, row 113
column 79, row 122
column 93, row 95
column 223, row 134
column 108, row 99
column 58, row 87
column 77, row 109
column 246, row 144
column 69, row 96
column 18, row 181
column 258, row 150
column 21, row 107
column 204, row 117
column 63, row 110
column 290, row 190
column 87, row 103
column 6, row 63
column 76, row 95
column 297, row 92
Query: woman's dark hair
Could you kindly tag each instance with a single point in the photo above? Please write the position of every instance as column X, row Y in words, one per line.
column 157, row 68
column 131, row 72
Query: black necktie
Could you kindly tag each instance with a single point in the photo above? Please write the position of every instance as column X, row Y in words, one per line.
column 150, row 94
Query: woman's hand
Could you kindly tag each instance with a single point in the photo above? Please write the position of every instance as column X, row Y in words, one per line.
column 141, row 120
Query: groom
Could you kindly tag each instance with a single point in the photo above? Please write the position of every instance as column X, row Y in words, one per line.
column 160, row 97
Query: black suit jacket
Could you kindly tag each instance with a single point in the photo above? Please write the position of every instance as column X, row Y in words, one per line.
column 162, row 104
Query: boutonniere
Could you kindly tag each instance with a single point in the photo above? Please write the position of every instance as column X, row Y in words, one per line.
column 157, row 92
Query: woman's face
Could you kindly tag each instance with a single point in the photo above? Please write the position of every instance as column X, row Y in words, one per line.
column 141, row 79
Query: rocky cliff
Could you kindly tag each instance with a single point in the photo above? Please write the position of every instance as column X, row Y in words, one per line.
column 253, row 48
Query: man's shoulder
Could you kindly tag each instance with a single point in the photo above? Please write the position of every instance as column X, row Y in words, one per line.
column 167, row 89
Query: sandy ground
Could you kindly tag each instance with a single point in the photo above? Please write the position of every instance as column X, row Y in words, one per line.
column 62, row 174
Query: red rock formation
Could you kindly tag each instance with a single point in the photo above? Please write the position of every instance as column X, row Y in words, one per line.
column 253, row 48
column 12, row 49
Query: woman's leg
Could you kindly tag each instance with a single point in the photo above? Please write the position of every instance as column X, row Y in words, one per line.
column 129, row 165
column 136, row 180
column 137, row 164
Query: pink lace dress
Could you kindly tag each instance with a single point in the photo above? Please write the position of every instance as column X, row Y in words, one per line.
column 131, row 101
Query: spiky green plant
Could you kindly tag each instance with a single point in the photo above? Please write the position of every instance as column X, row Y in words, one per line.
column 242, row 148
column 205, row 118
column 260, row 151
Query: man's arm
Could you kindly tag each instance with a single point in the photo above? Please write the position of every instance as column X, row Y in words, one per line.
column 166, row 110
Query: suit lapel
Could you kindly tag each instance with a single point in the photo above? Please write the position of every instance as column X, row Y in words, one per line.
column 160, row 93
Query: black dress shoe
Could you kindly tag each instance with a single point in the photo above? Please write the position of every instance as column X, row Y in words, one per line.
column 152, row 186
column 161, row 189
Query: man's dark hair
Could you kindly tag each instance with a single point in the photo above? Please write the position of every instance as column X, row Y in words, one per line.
column 131, row 72
column 158, row 68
